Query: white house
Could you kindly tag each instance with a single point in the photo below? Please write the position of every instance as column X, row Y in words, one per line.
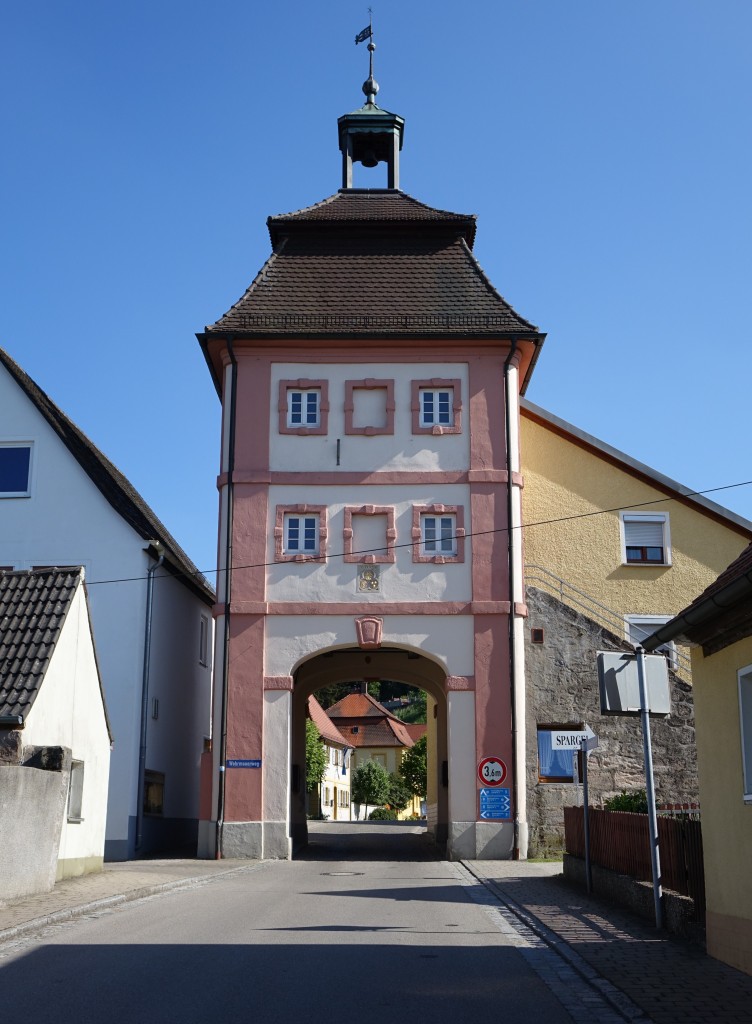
column 50, row 697
column 63, row 503
column 334, row 791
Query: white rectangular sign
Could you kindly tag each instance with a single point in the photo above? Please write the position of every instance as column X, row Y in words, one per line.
column 567, row 740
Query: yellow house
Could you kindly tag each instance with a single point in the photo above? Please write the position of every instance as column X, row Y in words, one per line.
column 606, row 534
column 719, row 621
column 332, row 797
column 375, row 735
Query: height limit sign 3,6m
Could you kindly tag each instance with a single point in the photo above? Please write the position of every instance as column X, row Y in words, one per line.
column 492, row 771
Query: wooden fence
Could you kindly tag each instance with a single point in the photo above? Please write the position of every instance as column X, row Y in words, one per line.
column 620, row 841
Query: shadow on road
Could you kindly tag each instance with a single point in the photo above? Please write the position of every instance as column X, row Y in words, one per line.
column 368, row 841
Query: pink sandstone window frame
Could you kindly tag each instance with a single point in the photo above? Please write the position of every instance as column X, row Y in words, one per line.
column 434, row 383
column 347, row 534
column 369, row 384
column 303, row 384
column 280, row 555
column 458, row 511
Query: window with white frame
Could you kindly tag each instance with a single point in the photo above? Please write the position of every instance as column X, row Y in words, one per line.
column 438, row 533
column 15, row 469
column 300, row 532
column 203, row 641
column 745, row 724
column 436, row 405
column 641, row 626
column 645, row 538
column 76, row 792
column 303, row 406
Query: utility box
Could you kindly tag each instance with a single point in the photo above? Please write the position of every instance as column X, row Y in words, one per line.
column 619, row 684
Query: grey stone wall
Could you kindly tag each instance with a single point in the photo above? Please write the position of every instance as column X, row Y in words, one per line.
column 562, row 690
column 33, row 797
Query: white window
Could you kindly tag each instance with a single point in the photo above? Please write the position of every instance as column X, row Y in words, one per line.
column 436, row 407
column 745, row 723
column 15, row 470
column 76, row 792
column 304, row 408
column 556, row 765
column 645, row 538
column 203, row 641
column 301, row 534
column 641, row 626
column 438, row 535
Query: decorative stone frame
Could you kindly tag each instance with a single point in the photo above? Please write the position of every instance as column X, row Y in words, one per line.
column 458, row 511
column 455, row 384
column 391, row 534
column 280, row 555
column 303, row 384
column 369, row 384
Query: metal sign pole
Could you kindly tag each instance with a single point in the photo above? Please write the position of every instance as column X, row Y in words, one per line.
column 586, row 813
column 655, row 858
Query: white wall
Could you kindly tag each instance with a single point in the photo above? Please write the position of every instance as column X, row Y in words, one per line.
column 403, row 580
column 67, row 521
column 290, row 640
column 402, row 451
column 68, row 711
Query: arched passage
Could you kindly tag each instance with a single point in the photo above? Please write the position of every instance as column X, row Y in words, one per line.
column 342, row 665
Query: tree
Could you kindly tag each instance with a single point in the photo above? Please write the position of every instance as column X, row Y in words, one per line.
column 315, row 756
column 399, row 793
column 370, row 784
column 414, row 767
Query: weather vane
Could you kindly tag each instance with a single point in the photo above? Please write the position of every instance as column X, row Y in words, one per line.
column 370, row 87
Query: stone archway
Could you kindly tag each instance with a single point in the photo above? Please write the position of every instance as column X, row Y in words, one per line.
column 348, row 664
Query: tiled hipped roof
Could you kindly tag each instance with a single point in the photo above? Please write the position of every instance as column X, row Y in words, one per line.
column 372, row 262
column 328, row 731
column 118, row 491
column 374, row 725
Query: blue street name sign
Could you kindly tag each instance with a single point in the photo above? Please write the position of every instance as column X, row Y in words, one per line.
column 243, row 762
column 495, row 805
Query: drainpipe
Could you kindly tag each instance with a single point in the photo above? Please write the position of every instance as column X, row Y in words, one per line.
column 518, row 722
column 157, row 545
column 227, row 595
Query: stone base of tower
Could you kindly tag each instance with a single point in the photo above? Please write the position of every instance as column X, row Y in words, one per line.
column 480, row 840
column 246, row 840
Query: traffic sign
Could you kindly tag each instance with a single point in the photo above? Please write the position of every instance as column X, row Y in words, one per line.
column 492, row 771
column 495, row 805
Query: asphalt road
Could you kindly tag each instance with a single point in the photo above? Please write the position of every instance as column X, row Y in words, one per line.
column 365, row 937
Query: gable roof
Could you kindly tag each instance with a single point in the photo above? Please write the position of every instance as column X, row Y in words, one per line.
column 721, row 615
column 117, row 490
column 372, row 262
column 34, row 605
column 376, row 727
column 637, row 469
column 328, row 731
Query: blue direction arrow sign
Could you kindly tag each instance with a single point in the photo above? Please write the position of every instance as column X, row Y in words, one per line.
column 495, row 805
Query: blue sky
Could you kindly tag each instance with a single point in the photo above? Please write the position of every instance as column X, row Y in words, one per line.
column 604, row 146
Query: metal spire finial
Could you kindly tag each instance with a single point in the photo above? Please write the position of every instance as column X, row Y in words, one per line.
column 370, row 86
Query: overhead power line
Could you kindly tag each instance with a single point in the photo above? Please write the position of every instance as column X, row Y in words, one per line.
column 476, row 533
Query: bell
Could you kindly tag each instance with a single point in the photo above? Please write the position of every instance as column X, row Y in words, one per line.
column 369, row 158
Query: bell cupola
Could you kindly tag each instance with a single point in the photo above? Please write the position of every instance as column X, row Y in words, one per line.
column 370, row 135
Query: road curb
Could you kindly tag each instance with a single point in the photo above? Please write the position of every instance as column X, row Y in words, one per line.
column 614, row 996
column 69, row 913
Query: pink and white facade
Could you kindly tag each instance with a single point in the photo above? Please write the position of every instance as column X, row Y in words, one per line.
column 370, row 463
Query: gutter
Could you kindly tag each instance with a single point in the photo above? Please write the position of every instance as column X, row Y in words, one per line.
column 701, row 612
column 519, row 780
column 157, row 545
column 227, row 597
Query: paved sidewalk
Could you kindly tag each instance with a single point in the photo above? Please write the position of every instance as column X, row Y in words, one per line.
column 118, row 883
column 669, row 980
